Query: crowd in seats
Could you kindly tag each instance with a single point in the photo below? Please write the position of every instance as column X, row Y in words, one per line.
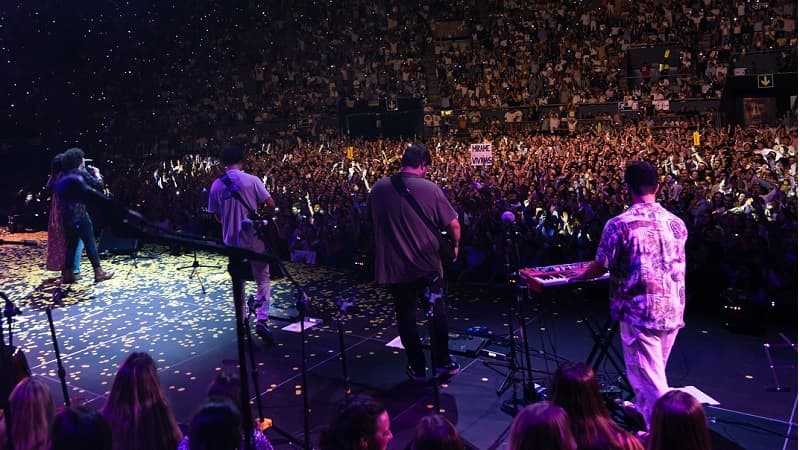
column 736, row 191
column 573, row 418
column 526, row 53
column 220, row 68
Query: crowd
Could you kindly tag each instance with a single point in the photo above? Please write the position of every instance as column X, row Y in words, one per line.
column 526, row 53
column 735, row 188
column 137, row 416
column 285, row 69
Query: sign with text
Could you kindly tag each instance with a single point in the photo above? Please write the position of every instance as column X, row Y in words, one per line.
column 481, row 154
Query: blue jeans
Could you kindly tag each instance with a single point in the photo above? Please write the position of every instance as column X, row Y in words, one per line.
column 81, row 230
column 76, row 267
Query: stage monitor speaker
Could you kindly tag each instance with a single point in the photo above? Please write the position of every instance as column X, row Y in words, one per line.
column 735, row 430
column 111, row 243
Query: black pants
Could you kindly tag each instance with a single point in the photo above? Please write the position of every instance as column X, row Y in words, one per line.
column 406, row 296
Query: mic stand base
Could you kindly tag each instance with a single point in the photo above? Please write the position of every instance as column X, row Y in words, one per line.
column 196, row 265
column 254, row 376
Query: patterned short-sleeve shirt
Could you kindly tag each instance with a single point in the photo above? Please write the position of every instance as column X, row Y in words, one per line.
column 644, row 252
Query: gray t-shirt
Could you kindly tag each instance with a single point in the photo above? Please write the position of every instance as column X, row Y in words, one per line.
column 233, row 213
column 405, row 248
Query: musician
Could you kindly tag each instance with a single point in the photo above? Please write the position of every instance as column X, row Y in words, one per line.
column 75, row 220
column 644, row 251
column 238, row 230
column 407, row 258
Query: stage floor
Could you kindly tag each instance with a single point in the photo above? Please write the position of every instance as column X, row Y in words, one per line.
column 187, row 325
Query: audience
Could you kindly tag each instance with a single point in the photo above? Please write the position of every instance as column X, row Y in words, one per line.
column 576, row 389
column 280, row 91
column 216, row 426
column 678, row 422
column 360, row 423
column 225, row 388
column 731, row 191
column 541, row 426
column 435, row 432
column 32, row 415
column 80, row 428
column 137, row 410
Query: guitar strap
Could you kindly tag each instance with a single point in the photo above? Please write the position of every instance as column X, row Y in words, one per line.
column 235, row 194
column 402, row 189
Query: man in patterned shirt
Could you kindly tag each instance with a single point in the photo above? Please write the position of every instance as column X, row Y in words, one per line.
column 644, row 251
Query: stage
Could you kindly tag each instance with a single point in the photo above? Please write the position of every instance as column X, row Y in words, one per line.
column 151, row 306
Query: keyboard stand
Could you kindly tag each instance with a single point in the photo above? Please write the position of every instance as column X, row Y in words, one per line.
column 604, row 351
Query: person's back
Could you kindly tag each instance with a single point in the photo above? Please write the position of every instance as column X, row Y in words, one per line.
column 678, row 423
column 541, row 426
column 216, row 426
column 576, row 389
column 80, row 428
column 407, row 248
column 137, row 409
column 435, row 432
column 32, row 413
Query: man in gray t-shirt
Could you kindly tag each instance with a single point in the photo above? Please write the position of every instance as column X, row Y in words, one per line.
column 237, row 229
column 407, row 254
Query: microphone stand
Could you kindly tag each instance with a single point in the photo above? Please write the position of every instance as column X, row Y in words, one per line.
column 254, row 376
column 8, row 374
column 519, row 289
column 62, row 373
column 238, row 302
column 342, row 307
column 432, row 297
column 303, row 305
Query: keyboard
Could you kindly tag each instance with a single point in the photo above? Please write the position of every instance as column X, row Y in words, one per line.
column 539, row 278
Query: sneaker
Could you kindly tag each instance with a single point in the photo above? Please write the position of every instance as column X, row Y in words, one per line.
column 263, row 331
column 416, row 375
column 451, row 368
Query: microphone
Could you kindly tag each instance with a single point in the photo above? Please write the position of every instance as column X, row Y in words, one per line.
column 508, row 218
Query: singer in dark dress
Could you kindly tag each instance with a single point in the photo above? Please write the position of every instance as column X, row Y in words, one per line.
column 407, row 258
column 76, row 221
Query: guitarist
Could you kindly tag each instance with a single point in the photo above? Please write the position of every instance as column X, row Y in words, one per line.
column 238, row 229
column 407, row 254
